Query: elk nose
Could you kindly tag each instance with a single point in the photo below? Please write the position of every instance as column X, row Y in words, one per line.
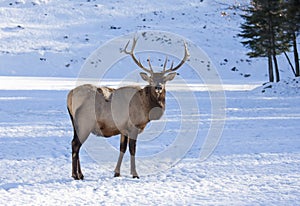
column 158, row 87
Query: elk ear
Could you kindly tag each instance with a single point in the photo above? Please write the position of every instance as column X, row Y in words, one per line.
column 170, row 76
column 145, row 76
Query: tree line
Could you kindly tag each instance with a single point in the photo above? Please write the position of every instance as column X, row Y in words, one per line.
column 270, row 28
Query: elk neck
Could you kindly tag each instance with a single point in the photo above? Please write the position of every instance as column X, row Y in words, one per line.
column 154, row 99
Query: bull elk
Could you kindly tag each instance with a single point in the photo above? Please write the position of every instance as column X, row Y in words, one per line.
column 126, row 111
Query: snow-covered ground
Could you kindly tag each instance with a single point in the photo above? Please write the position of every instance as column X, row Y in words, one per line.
column 256, row 162
column 50, row 38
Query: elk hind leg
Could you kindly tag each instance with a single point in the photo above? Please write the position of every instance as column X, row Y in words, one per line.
column 76, row 169
column 76, row 144
column 83, row 125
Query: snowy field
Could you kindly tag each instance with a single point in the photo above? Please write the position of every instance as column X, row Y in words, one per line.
column 257, row 161
column 43, row 45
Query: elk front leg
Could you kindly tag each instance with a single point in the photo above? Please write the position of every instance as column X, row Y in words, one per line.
column 132, row 150
column 123, row 147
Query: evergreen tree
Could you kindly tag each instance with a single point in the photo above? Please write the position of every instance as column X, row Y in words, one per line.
column 264, row 33
column 292, row 25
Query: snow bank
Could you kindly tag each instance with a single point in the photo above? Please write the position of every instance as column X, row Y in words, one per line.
column 286, row 87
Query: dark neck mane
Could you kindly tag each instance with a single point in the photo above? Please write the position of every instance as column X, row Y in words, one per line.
column 154, row 100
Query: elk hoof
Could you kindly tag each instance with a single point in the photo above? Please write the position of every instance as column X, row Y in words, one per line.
column 78, row 177
column 117, row 174
column 135, row 176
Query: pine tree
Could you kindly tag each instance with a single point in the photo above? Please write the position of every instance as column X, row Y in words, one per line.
column 264, row 33
column 292, row 25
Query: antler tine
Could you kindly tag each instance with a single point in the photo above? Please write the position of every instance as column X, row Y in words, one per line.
column 172, row 65
column 186, row 56
column 165, row 64
column 149, row 62
column 125, row 48
column 138, row 62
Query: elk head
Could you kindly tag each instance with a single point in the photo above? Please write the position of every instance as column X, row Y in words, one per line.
column 156, row 80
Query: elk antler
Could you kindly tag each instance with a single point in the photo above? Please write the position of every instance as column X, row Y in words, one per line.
column 138, row 62
column 186, row 56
